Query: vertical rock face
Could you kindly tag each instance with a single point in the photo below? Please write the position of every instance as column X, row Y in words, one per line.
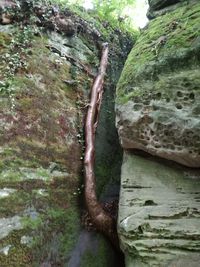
column 159, row 218
column 158, row 93
column 47, row 68
column 157, row 109
column 39, row 148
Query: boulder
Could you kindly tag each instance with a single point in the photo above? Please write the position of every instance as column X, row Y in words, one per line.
column 158, row 94
column 158, row 221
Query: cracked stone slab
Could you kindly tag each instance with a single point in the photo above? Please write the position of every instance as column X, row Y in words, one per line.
column 159, row 213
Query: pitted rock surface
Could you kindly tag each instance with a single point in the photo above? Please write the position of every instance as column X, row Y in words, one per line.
column 159, row 91
column 166, row 122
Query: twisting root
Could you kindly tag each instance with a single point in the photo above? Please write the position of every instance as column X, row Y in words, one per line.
column 102, row 220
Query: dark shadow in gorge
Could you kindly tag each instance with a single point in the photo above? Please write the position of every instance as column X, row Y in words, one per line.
column 108, row 161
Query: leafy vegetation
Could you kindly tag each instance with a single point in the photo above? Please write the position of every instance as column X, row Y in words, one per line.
column 111, row 11
column 105, row 16
column 14, row 59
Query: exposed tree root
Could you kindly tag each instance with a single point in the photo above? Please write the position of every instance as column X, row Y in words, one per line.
column 101, row 219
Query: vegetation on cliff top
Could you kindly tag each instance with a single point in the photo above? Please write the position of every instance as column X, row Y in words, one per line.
column 111, row 11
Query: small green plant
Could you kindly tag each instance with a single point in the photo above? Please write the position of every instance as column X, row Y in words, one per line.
column 32, row 224
column 15, row 59
column 105, row 13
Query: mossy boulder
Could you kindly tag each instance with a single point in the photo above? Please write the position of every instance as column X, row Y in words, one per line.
column 158, row 93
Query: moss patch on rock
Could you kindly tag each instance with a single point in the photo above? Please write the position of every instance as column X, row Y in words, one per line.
column 40, row 156
column 169, row 43
column 104, row 256
column 4, row 40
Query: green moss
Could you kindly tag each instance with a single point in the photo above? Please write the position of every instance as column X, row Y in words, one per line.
column 10, row 175
column 54, row 72
column 70, row 219
column 150, row 57
column 21, row 83
column 62, row 222
column 10, row 159
column 32, row 224
column 19, row 254
column 130, row 95
column 13, row 175
column 103, row 174
column 4, row 39
column 14, row 203
column 56, row 217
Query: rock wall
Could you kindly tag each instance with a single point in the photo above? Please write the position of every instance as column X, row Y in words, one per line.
column 49, row 59
column 158, row 112
column 159, row 215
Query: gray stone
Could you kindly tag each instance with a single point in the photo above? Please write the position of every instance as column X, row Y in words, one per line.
column 9, row 224
column 159, row 213
column 73, row 47
column 5, row 192
column 5, row 250
column 26, row 240
column 152, row 14
column 166, row 126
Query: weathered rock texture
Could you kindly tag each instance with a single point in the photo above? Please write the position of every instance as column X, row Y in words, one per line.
column 158, row 111
column 159, row 219
column 158, row 94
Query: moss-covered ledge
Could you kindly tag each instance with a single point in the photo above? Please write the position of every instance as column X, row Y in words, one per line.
column 169, row 43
